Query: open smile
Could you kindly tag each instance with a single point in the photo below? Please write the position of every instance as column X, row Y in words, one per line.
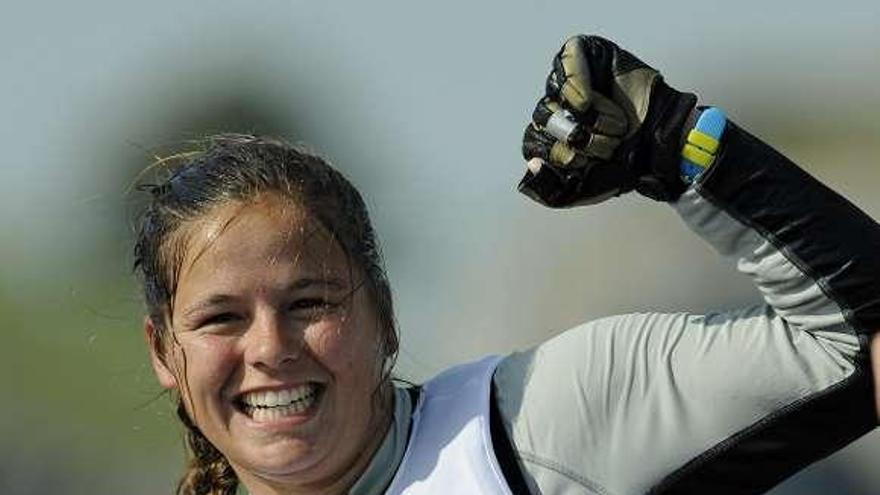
column 272, row 405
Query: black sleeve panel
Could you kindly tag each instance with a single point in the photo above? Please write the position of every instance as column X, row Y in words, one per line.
column 830, row 239
column 763, row 455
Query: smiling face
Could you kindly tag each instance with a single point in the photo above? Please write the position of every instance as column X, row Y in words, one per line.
column 274, row 347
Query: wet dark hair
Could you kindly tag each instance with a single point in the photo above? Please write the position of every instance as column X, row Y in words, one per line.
column 232, row 168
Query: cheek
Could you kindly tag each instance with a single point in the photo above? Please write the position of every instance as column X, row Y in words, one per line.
column 343, row 347
column 208, row 362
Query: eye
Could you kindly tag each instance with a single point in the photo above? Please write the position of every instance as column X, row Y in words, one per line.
column 311, row 306
column 219, row 319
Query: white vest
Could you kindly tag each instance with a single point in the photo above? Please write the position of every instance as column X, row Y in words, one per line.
column 450, row 445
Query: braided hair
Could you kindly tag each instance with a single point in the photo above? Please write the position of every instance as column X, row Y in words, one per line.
column 207, row 471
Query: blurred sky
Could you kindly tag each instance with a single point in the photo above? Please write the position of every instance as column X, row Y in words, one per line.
column 423, row 106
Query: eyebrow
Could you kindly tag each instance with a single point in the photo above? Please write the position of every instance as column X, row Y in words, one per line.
column 306, row 282
column 332, row 283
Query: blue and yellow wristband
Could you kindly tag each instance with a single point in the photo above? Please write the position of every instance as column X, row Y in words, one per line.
column 702, row 143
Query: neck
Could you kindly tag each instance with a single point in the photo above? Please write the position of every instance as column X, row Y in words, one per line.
column 348, row 475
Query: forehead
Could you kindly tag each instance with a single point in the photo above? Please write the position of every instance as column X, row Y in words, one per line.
column 269, row 232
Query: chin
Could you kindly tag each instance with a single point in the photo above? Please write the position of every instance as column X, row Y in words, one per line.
column 283, row 460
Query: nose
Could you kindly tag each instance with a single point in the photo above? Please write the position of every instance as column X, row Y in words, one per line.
column 272, row 342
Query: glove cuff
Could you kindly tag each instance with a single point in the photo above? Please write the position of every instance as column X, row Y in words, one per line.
column 656, row 171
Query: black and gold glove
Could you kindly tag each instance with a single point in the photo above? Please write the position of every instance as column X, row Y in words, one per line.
column 607, row 124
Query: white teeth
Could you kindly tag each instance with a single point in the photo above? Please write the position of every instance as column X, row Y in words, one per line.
column 268, row 414
column 269, row 405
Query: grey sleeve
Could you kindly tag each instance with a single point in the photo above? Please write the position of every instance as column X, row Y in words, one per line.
column 722, row 403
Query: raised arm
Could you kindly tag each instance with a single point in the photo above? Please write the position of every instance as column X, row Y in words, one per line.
column 727, row 402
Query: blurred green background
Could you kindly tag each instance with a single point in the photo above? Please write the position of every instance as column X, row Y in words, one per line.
column 422, row 105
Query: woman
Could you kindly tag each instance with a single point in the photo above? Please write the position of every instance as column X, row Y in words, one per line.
column 271, row 317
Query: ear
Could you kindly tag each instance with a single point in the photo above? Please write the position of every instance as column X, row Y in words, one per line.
column 164, row 374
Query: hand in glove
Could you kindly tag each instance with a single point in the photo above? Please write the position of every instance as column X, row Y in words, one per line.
column 607, row 124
